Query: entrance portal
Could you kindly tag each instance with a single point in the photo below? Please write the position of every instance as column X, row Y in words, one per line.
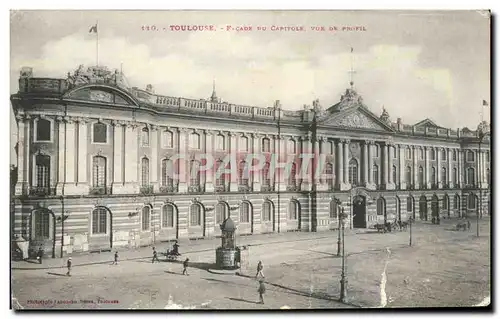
column 359, row 212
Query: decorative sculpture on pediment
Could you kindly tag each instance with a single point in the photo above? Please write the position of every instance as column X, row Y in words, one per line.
column 318, row 109
column 384, row 117
column 94, row 74
column 358, row 120
column 349, row 99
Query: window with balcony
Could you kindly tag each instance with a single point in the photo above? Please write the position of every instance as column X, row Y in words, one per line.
column 444, row 154
column 292, row 181
column 243, row 173
column 408, row 177
column 353, row 172
column 42, row 171
column 99, row 172
column 454, row 177
column 194, row 173
column 266, row 178
column 471, row 176
column 145, row 171
column 329, row 174
column 444, row 175
column 421, row 176
column 394, row 174
column 167, row 173
column 100, row 133
column 433, row 175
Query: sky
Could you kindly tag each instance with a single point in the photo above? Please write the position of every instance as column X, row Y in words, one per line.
column 416, row 64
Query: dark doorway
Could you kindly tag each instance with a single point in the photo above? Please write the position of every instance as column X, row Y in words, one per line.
column 359, row 212
column 435, row 206
column 422, row 208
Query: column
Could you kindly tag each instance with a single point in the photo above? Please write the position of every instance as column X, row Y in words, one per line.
column 61, row 158
column 82, row 183
column 210, row 171
column 320, row 164
column 131, row 167
column 346, row 164
column 118, row 152
column 385, row 164
column 427, row 164
column 460, row 168
column 232, row 150
column 370, row 163
column 390, row 153
column 365, row 164
column 478, row 175
column 439, row 151
column 154, row 157
column 306, row 176
column 450, row 169
column 402, row 166
column 183, row 134
column 339, row 163
column 415, row 167
column 23, row 139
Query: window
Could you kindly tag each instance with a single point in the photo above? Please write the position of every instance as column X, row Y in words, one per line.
column 444, row 176
column 293, row 210
column 454, row 155
column 168, row 139
column 293, row 174
column 245, row 212
column 167, row 216
column 99, row 221
column 471, row 201
column 146, row 211
column 470, row 156
column 43, row 130
column 292, row 146
column 243, row 143
column 266, row 211
column 100, row 132
column 446, row 201
column 220, row 213
column 443, row 154
column 408, row 174
column 471, row 176
column 377, row 151
column 195, row 173
column 42, row 224
column 408, row 153
column 409, row 204
column 220, row 178
column 266, row 180
column 394, row 152
column 454, row 176
column 433, row 175
column 333, row 209
column 394, row 174
column 353, row 172
column 332, row 147
column 145, row 171
column 488, row 176
column 376, row 175
column 421, row 175
column 167, row 173
column 266, row 145
column 243, row 173
column 329, row 174
column 42, row 170
column 220, row 142
column 99, row 171
column 380, row 206
column 194, row 141
column 421, row 154
column 456, row 202
column 195, row 215
column 145, row 136
column 433, row 154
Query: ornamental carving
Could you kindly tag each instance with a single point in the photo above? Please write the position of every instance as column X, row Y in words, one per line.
column 358, row 120
column 349, row 99
column 95, row 74
column 101, row 96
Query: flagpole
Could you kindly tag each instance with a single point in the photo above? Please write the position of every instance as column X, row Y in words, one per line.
column 97, row 43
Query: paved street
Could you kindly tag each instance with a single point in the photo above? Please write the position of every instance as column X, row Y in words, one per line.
column 443, row 268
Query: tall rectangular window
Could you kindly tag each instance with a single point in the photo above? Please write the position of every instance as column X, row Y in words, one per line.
column 145, row 171
column 100, row 133
column 43, row 128
column 42, row 170
column 99, row 171
column 99, row 221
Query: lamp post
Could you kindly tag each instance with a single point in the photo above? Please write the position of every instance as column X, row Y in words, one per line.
column 343, row 279
column 410, row 221
column 482, row 131
column 339, row 239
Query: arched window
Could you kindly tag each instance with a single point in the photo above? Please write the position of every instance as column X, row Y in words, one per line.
column 470, row 156
column 42, row 170
column 421, row 175
column 409, row 204
column 220, row 142
column 433, row 175
column 408, row 153
column 444, row 154
column 377, row 151
column 454, row 155
column 195, row 173
column 43, row 128
column 266, row 145
column 444, row 175
column 394, row 152
column 293, row 210
column 243, row 144
column 446, row 202
column 433, row 154
column 220, row 213
column 292, row 146
column 195, row 215
column 99, row 171
column 353, row 172
column 333, row 209
column 456, row 202
column 146, row 218
column 380, row 206
column 220, row 179
column 100, row 133
column 145, row 171
column 145, row 136
column 420, row 153
column 41, row 224
column 194, row 141
column 394, row 174
column 167, row 173
column 329, row 174
column 266, row 180
column 266, row 211
column 376, row 179
column 408, row 175
column 243, row 173
column 245, row 212
column 99, row 221
column 471, row 201
column 471, row 176
column 168, row 139
column 167, row 216
column 293, row 174
column 454, row 176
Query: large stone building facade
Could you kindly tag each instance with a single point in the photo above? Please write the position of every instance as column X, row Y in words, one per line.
column 98, row 165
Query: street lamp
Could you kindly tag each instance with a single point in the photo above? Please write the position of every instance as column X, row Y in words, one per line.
column 343, row 279
column 339, row 239
column 483, row 129
column 410, row 221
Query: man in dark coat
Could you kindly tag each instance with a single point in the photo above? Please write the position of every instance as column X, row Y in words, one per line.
column 261, row 290
column 68, row 264
column 185, row 264
column 260, row 267
column 116, row 259
column 39, row 255
column 155, row 255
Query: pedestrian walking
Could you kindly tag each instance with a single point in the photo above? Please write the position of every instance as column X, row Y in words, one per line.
column 468, row 225
column 155, row 255
column 260, row 267
column 261, row 290
column 39, row 255
column 185, row 264
column 68, row 264
column 116, row 259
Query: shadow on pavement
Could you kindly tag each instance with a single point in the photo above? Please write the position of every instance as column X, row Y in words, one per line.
column 244, row 300
column 56, row 274
column 174, row 273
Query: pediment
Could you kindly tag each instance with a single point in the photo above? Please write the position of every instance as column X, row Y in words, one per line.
column 102, row 94
column 357, row 118
column 426, row 123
